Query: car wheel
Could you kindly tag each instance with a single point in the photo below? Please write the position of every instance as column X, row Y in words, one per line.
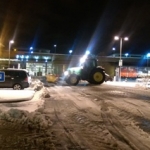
column 17, row 87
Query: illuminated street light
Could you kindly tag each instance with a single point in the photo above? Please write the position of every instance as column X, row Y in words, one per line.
column 116, row 37
column 126, row 39
column 27, row 57
column 10, row 42
column 36, row 58
column 31, row 50
column 70, row 51
column 22, row 56
column 126, row 54
column 113, row 48
column 17, row 56
column 148, row 55
column 120, row 60
column 55, row 47
column 46, row 58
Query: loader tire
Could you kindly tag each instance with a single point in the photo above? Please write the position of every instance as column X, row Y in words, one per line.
column 73, row 79
column 97, row 76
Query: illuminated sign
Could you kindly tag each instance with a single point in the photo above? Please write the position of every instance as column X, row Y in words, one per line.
column 2, row 76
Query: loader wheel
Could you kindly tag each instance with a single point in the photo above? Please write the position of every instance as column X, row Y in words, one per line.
column 73, row 79
column 97, row 76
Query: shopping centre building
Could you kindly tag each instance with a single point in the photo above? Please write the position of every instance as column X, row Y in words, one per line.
column 40, row 63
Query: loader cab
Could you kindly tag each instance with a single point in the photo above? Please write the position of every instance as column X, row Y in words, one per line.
column 90, row 64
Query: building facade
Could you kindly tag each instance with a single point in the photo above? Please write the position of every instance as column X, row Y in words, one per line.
column 43, row 63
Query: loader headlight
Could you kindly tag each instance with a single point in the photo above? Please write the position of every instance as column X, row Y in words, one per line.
column 66, row 73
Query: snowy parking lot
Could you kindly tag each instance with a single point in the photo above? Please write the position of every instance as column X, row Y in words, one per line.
column 109, row 116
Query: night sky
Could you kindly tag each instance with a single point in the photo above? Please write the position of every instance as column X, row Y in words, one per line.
column 78, row 25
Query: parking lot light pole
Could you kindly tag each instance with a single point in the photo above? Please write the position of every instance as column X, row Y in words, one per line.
column 10, row 42
column 120, row 59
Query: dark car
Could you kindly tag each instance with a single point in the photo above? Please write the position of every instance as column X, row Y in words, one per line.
column 15, row 78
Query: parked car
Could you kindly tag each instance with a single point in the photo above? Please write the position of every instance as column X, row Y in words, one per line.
column 15, row 78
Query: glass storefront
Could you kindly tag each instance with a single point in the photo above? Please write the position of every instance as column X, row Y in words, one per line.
column 39, row 69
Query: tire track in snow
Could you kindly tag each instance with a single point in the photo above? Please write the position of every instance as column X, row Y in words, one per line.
column 112, row 123
column 90, row 130
column 62, row 123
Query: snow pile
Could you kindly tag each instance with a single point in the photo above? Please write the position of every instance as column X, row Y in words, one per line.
column 36, row 84
column 27, row 99
column 10, row 95
column 29, row 114
column 28, row 130
column 143, row 82
column 33, row 121
column 31, row 105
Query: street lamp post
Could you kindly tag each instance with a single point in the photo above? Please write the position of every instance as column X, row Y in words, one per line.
column 120, row 59
column 10, row 42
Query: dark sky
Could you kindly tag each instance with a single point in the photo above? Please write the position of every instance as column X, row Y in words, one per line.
column 76, row 24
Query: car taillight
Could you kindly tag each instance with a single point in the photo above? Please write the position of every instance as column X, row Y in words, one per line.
column 26, row 79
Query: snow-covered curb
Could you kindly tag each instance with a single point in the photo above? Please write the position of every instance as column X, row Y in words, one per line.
column 30, row 106
column 127, row 84
column 14, row 95
column 141, row 85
